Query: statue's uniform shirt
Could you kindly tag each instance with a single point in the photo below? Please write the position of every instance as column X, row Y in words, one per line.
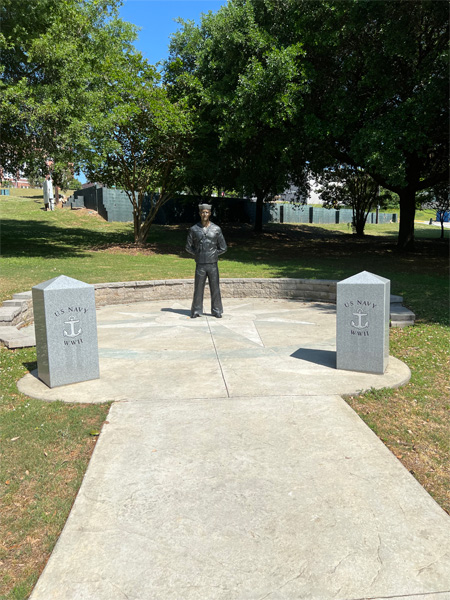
column 206, row 244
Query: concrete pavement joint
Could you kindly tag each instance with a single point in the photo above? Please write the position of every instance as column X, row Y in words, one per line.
column 425, row 595
column 218, row 358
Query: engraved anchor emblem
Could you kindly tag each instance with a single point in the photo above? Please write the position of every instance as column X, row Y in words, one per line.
column 72, row 321
column 360, row 315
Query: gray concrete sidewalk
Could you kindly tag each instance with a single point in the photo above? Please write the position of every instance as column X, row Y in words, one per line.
column 231, row 469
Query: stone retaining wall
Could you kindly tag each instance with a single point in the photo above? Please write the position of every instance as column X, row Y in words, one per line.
column 19, row 311
column 140, row 291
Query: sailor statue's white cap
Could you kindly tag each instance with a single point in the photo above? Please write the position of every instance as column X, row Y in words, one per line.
column 204, row 206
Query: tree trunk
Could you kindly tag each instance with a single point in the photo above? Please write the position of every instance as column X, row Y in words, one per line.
column 145, row 226
column 137, row 227
column 359, row 221
column 259, row 212
column 405, row 241
column 359, row 227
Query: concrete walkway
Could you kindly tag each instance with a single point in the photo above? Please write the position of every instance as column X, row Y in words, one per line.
column 231, row 468
column 435, row 223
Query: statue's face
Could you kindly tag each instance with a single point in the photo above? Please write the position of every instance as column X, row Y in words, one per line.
column 204, row 215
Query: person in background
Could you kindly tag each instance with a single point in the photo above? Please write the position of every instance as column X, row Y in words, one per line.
column 49, row 199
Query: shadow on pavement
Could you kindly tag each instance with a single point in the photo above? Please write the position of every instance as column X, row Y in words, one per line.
column 178, row 311
column 326, row 358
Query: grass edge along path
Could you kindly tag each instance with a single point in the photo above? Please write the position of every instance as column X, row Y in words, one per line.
column 45, row 447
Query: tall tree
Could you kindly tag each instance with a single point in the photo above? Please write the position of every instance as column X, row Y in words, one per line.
column 139, row 141
column 245, row 89
column 349, row 186
column 378, row 95
column 52, row 53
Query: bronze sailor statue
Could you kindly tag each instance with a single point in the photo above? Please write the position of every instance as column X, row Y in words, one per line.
column 206, row 242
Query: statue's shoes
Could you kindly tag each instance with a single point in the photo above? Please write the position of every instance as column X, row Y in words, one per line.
column 194, row 316
column 218, row 316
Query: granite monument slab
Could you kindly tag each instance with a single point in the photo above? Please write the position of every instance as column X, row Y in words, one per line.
column 66, row 331
column 362, row 323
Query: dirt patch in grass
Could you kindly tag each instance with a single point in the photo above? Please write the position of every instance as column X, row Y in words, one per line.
column 129, row 249
column 82, row 211
column 135, row 250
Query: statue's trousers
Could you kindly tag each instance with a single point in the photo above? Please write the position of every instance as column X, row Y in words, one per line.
column 210, row 271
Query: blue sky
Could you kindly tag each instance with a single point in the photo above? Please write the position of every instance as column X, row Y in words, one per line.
column 156, row 20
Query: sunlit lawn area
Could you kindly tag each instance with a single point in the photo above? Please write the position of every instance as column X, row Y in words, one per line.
column 45, row 447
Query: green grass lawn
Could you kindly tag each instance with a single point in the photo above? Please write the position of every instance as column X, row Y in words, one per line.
column 45, row 447
column 38, row 245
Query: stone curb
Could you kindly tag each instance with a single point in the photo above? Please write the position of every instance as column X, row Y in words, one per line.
column 17, row 313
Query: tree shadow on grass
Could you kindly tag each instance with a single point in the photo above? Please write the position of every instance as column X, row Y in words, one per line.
column 35, row 238
column 277, row 244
